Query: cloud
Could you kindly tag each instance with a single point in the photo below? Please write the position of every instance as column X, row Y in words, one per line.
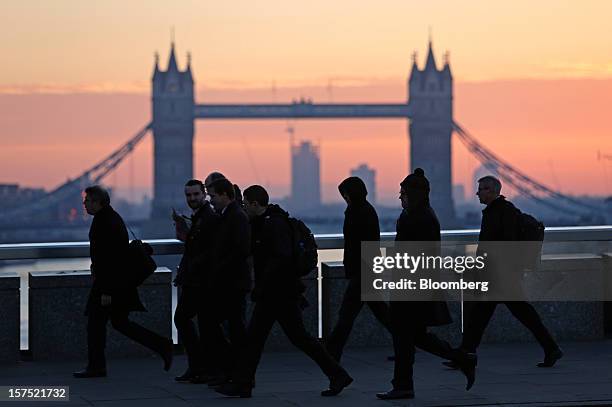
column 211, row 84
column 83, row 88
column 579, row 69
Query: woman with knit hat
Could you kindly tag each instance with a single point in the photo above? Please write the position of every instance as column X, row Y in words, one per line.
column 409, row 319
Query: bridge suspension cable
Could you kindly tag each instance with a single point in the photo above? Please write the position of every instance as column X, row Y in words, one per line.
column 91, row 176
column 521, row 182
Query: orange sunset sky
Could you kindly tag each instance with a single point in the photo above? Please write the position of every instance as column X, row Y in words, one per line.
column 533, row 82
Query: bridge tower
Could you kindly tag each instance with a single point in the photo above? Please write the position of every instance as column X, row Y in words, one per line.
column 173, row 130
column 430, row 96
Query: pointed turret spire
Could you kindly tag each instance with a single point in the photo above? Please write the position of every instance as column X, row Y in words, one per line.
column 415, row 68
column 188, row 69
column 431, row 61
column 172, row 65
column 156, row 66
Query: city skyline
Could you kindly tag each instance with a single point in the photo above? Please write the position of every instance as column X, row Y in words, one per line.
column 64, row 121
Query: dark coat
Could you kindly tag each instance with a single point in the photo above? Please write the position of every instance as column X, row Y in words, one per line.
column 360, row 225
column 500, row 221
column 272, row 248
column 421, row 224
column 231, row 252
column 108, row 248
column 199, row 242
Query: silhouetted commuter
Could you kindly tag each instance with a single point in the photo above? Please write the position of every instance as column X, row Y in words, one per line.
column 500, row 222
column 191, row 277
column 278, row 297
column 360, row 225
column 213, row 176
column 410, row 319
column 231, row 279
column 112, row 297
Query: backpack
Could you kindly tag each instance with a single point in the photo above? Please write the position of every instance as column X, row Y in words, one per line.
column 531, row 230
column 305, row 254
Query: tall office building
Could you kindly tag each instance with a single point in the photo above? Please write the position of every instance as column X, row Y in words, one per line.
column 305, row 177
column 458, row 193
column 368, row 176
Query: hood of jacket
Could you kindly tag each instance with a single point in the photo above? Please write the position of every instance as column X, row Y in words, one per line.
column 355, row 188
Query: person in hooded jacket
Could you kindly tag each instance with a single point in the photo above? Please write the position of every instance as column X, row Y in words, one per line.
column 278, row 296
column 360, row 225
column 409, row 319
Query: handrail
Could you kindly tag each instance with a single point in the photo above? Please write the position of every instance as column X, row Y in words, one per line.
column 54, row 250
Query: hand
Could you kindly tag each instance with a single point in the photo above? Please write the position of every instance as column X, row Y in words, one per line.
column 106, row 300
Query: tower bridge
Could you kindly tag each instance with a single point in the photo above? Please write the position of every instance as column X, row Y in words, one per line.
column 302, row 110
column 428, row 110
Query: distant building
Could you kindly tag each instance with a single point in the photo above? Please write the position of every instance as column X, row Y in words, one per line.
column 305, row 177
column 459, row 193
column 12, row 195
column 368, row 176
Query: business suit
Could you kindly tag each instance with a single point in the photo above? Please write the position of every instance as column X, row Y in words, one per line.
column 227, row 286
column 108, row 239
column 191, row 280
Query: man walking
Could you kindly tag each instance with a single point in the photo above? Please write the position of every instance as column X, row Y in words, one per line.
column 278, row 297
column 231, row 279
column 112, row 297
column 191, row 277
column 500, row 222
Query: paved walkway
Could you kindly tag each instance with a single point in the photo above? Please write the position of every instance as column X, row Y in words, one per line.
column 506, row 376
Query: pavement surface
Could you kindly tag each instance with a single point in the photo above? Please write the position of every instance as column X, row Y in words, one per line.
column 506, row 376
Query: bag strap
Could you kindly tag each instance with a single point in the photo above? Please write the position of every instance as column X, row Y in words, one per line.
column 132, row 232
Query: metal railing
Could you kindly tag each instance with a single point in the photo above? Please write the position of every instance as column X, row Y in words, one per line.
column 329, row 245
column 58, row 250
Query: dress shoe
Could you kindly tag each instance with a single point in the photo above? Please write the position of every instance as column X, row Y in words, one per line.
column 550, row 358
column 467, row 364
column 216, row 381
column 87, row 373
column 186, row 377
column 396, row 394
column 451, row 364
column 337, row 384
column 167, row 355
column 232, row 389
column 202, row 378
